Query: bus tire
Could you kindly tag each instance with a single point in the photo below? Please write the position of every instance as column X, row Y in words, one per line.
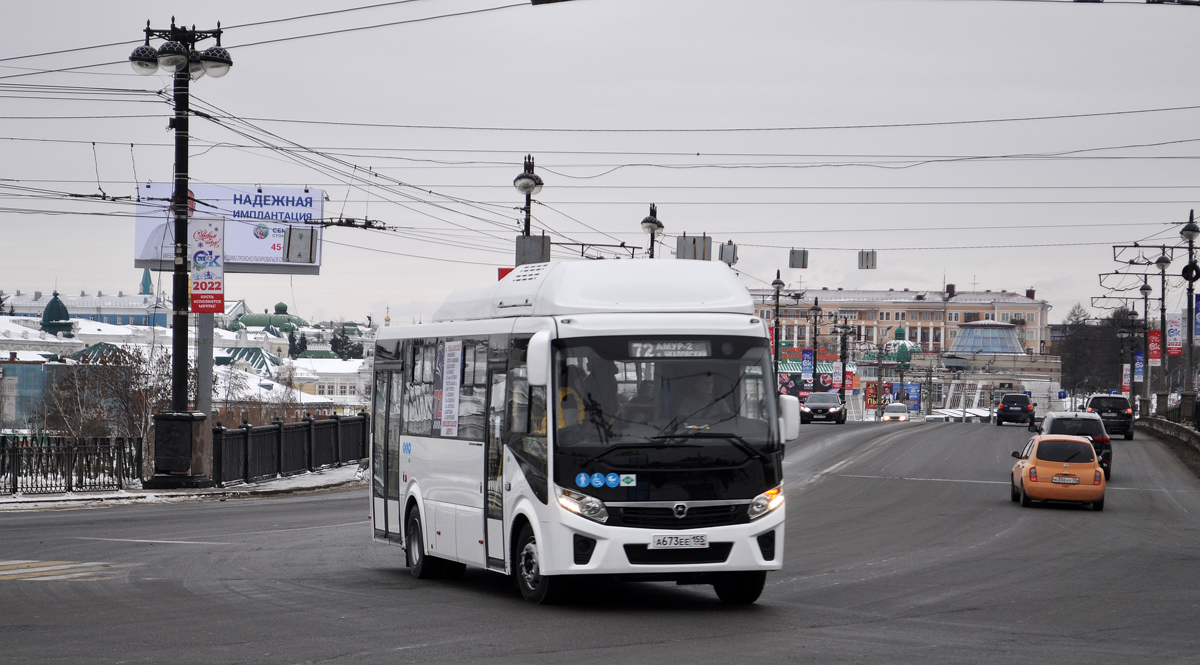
column 533, row 585
column 421, row 565
column 741, row 588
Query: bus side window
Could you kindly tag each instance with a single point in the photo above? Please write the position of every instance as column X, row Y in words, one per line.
column 525, row 425
column 395, row 423
column 418, row 387
column 473, row 392
column 380, row 414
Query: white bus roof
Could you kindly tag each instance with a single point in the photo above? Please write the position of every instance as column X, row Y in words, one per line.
column 609, row 286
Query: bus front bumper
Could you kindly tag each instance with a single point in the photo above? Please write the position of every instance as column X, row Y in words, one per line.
column 591, row 548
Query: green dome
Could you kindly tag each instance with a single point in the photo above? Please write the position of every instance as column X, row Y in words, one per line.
column 55, row 318
column 280, row 320
column 900, row 332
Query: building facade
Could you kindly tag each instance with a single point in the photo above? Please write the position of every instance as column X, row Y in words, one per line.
column 929, row 318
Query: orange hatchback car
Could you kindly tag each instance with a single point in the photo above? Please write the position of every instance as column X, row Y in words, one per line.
column 1058, row 468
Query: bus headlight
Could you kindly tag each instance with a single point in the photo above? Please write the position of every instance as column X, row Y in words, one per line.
column 766, row 502
column 582, row 504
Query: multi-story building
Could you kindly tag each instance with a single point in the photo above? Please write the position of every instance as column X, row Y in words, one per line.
column 930, row 318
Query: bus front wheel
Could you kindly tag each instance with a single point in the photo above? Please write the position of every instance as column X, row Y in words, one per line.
column 421, row 565
column 740, row 588
column 535, row 587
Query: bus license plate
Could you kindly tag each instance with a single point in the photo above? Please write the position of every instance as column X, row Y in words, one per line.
column 1064, row 480
column 678, row 542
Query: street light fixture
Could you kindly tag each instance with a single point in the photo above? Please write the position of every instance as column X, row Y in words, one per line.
column 528, row 183
column 1191, row 272
column 652, row 226
column 844, row 329
column 1162, row 263
column 177, row 432
column 814, row 315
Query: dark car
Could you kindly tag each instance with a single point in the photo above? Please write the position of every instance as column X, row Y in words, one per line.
column 1088, row 425
column 823, row 406
column 1116, row 413
column 1015, row 408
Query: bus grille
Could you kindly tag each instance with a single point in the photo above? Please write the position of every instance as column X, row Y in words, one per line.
column 697, row 517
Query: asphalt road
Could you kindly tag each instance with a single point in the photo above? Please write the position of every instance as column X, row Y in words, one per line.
column 902, row 546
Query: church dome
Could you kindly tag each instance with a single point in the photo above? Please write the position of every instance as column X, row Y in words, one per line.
column 280, row 320
column 55, row 318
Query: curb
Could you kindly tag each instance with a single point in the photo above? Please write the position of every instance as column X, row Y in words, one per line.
column 145, row 497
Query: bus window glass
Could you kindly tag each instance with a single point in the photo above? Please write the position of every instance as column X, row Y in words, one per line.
column 616, row 390
column 419, row 391
column 395, row 422
column 471, row 404
column 526, row 421
column 379, row 440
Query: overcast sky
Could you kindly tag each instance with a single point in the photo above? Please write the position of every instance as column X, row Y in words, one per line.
column 832, row 125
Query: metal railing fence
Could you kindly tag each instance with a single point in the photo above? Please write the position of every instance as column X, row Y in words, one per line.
column 247, row 453
column 42, row 464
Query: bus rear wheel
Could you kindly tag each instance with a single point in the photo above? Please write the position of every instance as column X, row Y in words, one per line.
column 527, row 571
column 740, row 588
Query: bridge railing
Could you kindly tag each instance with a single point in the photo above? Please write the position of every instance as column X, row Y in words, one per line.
column 248, row 454
column 46, row 464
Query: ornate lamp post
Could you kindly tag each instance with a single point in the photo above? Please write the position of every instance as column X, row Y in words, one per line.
column 178, row 433
column 1144, row 408
column 652, row 226
column 778, row 285
column 1162, row 263
column 1191, row 272
column 814, row 315
column 844, row 330
column 1123, row 334
column 528, row 183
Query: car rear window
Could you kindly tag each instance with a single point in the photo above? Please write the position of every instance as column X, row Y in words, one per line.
column 1077, row 427
column 823, row 398
column 1109, row 404
column 1016, row 399
column 1065, row 451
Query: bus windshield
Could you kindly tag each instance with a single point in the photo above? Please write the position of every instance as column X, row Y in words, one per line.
column 664, row 390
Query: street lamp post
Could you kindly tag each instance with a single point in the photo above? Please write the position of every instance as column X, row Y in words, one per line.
column 528, row 183
column 778, row 286
column 178, row 432
column 654, row 227
column 1123, row 335
column 1144, row 407
column 1162, row 263
column 844, row 330
column 814, row 315
column 1190, row 273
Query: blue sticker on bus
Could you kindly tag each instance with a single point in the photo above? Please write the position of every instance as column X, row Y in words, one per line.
column 597, row 480
column 583, row 480
column 612, row 480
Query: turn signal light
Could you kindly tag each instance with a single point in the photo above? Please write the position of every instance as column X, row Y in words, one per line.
column 1128, row 410
column 1033, row 474
column 1096, row 479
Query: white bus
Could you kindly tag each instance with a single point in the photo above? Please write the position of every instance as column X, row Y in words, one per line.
column 585, row 418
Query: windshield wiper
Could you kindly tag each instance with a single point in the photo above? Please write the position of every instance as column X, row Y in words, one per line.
column 736, row 440
column 621, row 446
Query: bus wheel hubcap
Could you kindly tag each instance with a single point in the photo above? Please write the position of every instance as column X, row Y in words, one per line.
column 529, row 566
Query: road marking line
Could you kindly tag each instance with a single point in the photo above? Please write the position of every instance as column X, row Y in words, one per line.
column 14, row 562
column 88, row 574
column 156, row 542
column 56, row 570
column 17, row 565
column 931, row 480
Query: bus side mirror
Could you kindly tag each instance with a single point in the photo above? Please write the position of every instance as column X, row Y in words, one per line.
column 789, row 417
column 537, row 360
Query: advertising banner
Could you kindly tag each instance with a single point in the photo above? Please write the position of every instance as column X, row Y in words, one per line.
column 873, row 398
column 451, row 380
column 1139, row 367
column 207, row 253
column 1196, row 320
column 1155, row 348
column 1125, row 379
column 1174, row 335
column 806, row 364
column 256, row 225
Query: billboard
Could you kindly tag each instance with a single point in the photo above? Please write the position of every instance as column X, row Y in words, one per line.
column 1155, row 348
column 256, row 225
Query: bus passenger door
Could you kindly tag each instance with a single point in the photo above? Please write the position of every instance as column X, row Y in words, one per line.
column 494, row 469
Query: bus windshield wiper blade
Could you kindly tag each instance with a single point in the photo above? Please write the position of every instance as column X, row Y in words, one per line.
column 736, row 440
column 650, row 444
